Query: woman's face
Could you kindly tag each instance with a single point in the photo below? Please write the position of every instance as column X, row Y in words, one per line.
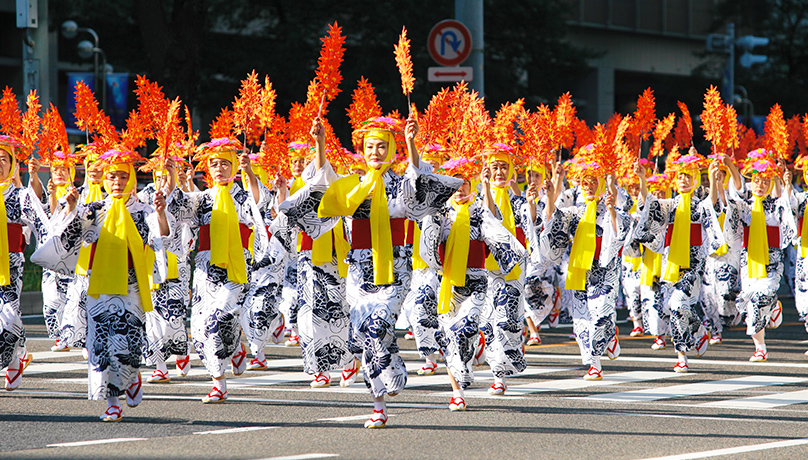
column 535, row 178
column 375, row 152
column 633, row 191
column 659, row 194
column 684, row 182
column 499, row 172
column 60, row 175
column 95, row 173
column 462, row 194
column 5, row 164
column 297, row 165
column 221, row 170
column 116, row 181
column 589, row 185
column 760, row 185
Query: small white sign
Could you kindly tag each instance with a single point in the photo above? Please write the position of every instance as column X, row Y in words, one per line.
column 450, row 74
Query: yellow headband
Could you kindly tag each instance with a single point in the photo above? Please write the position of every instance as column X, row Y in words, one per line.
column 386, row 136
column 492, row 157
column 229, row 155
column 130, row 183
column 695, row 174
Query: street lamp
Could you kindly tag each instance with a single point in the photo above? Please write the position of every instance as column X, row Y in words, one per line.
column 70, row 30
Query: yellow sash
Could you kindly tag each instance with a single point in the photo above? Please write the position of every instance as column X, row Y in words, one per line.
column 418, row 263
column 94, row 193
column 5, row 267
column 225, row 236
column 584, row 246
column 723, row 249
column 679, row 251
column 455, row 259
column 758, row 247
column 651, row 267
column 503, row 201
column 119, row 237
column 804, row 236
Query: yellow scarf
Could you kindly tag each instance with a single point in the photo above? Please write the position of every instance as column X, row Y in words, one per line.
column 94, row 193
column 723, row 249
column 584, row 246
column 5, row 262
column 322, row 249
column 503, row 201
column 758, row 247
column 679, row 251
column 297, row 184
column 226, row 250
column 651, row 267
column 418, row 262
column 455, row 260
column 119, row 237
column 804, row 236
column 345, row 195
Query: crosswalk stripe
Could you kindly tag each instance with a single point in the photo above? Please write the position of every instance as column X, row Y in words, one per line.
column 575, row 384
column 761, row 402
column 695, row 389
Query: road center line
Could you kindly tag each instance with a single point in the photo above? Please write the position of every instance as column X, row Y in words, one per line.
column 97, row 441
column 237, row 430
column 734, row 450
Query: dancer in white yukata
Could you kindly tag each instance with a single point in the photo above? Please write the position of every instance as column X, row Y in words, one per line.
column 503, row 315
column 799, row 201
column 166, row 334
column 375, row 207
column 596, row 233
column 261, row 321
column 421, row 303
column 456, row 243
column 19, row 209
column 224, row 216
column 769, row 227
column 323, row 315
column 721, row 283
column 74, row 320
column 541, row 273
column 126, row 236
column 656, row 315
column 687, row 230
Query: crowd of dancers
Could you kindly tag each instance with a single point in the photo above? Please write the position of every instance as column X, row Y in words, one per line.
column 470, row 227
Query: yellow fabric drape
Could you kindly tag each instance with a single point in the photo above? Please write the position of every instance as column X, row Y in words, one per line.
column 5, row 262
column 226, row 250
column 503, row 201
column 455, row 259
column 345, row 195
column 804, row 237
column 418, row 262
column 322, row 249
column 94, row 193
column 724, row 248
column 297, row 184
column 679, row 251
column 119, row 237
column 758, row 247
column 584, row 246
column 651, row 267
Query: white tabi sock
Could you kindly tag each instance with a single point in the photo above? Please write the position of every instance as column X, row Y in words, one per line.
column 113, row 401
column 457, row 393
column 260, row 356
column 161, row 366
column 596, row 364
column 379, row 404
column 220, row 384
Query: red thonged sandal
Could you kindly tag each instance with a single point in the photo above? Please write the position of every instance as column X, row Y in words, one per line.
column 113, row 414
column 377, row 420
column 457, row 404
column 215, row 396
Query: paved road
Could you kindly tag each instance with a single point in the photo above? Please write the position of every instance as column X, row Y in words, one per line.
column 725, row 406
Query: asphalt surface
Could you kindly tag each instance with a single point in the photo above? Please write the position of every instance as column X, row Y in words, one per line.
column 725, row 407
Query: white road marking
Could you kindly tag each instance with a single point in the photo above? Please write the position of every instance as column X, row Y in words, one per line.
column 97, row 441
column 574, row 384
column 350, row 418
column 734, row 450
column 695, row 389
column 303, row 457
column 237, row 430
column 694, row 362
column 761, row 402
